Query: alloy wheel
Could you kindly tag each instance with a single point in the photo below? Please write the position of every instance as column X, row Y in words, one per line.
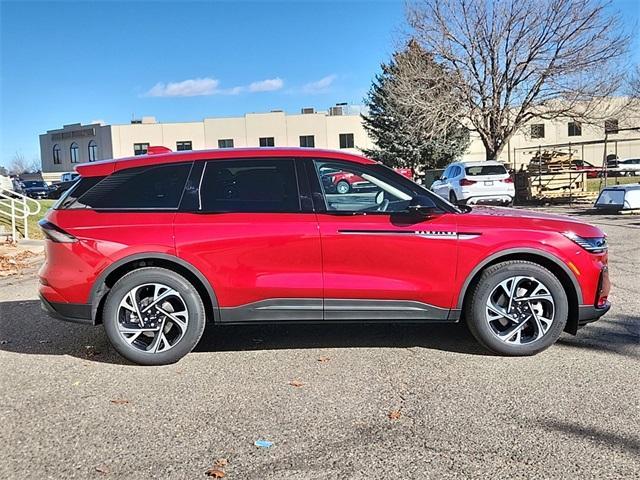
column 520, row 310
column 152, row 317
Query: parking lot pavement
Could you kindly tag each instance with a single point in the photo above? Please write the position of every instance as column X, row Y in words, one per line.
column 71, row 408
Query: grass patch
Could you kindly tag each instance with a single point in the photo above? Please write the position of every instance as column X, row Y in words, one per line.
column 34, row 229
column 593, row 184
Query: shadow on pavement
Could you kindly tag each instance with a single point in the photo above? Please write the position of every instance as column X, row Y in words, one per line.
column 619, row 335
column 631, row 445
column 25, row 328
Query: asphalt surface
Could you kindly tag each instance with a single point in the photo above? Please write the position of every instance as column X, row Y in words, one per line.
column 71, row 408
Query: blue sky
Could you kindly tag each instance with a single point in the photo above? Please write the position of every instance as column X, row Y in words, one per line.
column 67, row 62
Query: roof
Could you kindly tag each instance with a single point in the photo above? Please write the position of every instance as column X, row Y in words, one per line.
column 473, row 163
column 107, row 167
column 627, row 187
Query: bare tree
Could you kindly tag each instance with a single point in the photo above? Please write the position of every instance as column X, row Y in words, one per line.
column 514, row 60
column 18, row 165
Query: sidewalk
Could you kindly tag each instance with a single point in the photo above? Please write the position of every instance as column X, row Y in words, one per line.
column 15, row 258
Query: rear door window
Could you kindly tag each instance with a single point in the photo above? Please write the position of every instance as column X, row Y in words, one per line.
column 482, row 170
column 156, row 187
column 265, row 185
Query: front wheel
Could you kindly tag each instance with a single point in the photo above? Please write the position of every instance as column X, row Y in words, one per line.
column 153, row 316
column 517, row 308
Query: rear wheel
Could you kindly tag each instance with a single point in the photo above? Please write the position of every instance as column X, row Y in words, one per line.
column 153, row 316
column 517, row 308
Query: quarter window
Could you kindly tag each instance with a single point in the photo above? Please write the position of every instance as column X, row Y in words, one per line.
column 56, row 154
column 574, row 129
column 307, row 141
column 93, row 151
column 267, row 142
column 157, row 187
column 184, row 145
column 73, row 152
column 346, row 140
column 140, row 148
column 225, row 143
column 249, row 186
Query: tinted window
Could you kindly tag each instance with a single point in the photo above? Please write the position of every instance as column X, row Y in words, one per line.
column 80, row 188
column 149, row 187
column 249, row 186
column 486, row 170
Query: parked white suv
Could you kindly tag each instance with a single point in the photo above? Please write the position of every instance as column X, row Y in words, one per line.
column 476, row 182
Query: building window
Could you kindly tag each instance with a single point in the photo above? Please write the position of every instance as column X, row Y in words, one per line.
column 184, row 145
column 225, row 143
column 346, row 140
column 267, row 142
column 140, row 148
column 575, row 129
column 73, row 150
column 537, row 130
column 93, row 151
column 611, row 125
column 56, row 154
column 307, row 141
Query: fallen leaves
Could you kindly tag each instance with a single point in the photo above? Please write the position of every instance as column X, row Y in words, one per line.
column 323, row 359
column 90, row 351
column 221, row 462
column 296, row 383
column 119, row 401
column 11, row 264
column 215, row 473
column 104, row 469
column 394, row 414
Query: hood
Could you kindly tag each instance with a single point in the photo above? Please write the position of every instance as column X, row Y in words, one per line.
column 527, row 219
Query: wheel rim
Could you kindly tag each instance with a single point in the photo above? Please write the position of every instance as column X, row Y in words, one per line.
column 342, row 187
column 152, row 318
column 520, row 310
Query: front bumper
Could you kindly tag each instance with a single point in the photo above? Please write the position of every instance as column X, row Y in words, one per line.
column 70, row 312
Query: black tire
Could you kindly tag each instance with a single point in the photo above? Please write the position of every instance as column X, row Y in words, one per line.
column 452, row 198
column 192, row 301
column 490, row 279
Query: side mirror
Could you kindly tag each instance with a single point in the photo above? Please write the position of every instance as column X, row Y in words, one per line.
column 422, row 205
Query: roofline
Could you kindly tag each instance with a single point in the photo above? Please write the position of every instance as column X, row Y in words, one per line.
column 107, row 167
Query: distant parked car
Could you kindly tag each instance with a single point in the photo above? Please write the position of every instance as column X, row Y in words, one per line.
column 57, row 189
column 628, row 166
column 582, row 165
column 35, row 189
column 69, row 176
column 476, row 182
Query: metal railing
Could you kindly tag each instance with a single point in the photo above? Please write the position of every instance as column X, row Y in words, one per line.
column 17, row 208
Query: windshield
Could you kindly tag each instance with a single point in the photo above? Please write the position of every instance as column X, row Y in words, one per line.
column 481, row 170
column 34, row 183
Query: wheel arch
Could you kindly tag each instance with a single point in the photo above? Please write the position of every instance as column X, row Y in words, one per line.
column 545, row 259
column 109, row 276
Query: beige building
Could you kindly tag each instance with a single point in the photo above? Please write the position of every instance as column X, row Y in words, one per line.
column 339, row 128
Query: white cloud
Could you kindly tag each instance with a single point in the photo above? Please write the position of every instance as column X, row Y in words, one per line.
column 320, row 86
column 187, row 88
column 268, row 85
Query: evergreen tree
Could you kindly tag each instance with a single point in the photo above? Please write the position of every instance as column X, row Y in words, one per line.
column 401, row 136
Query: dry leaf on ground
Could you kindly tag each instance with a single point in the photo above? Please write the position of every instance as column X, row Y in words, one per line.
column 119, row 401
column 221, row 462
column 215, row 473
column 103, row 469
column 296, row 383
column 394, row 414
column 323, row 359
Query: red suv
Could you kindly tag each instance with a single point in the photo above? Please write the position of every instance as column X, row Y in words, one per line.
column 155, row 246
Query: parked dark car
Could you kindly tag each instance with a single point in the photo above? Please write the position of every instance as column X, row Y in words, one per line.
column 57, row 189
column 35, row 189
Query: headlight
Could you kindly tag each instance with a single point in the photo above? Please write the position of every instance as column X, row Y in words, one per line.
column 592, row 244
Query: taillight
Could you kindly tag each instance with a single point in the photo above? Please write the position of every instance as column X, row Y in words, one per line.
column 465, row 182
column 508, row 180
column 55, row 233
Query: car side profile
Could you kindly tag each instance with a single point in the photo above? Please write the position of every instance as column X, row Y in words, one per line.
column 154, row 247
column 471, row 183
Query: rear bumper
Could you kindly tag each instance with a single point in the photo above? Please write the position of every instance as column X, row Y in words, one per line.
column 589, row 313
column 487, row 199
column 70, row 312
